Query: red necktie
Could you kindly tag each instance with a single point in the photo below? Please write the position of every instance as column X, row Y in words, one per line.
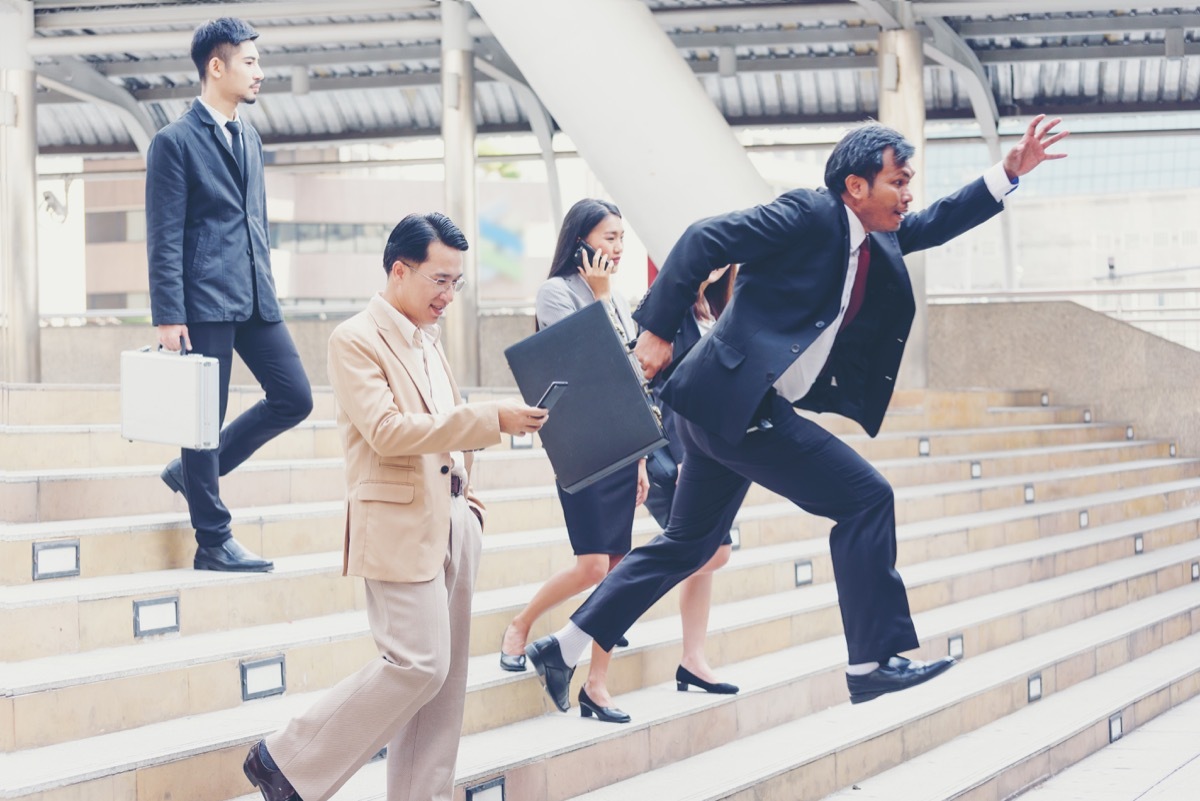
column 859, row 290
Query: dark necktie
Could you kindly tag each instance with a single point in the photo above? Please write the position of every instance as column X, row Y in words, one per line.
column 239, row 150
column 859, row 290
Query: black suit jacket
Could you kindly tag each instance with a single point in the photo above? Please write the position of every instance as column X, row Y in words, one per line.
column 206, row 230
column 795, row 253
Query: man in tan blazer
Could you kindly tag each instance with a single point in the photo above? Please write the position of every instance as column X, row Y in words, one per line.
column 412, row 532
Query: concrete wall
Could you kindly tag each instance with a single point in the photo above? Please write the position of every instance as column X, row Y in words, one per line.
column 1080, row 356
column 89, row 355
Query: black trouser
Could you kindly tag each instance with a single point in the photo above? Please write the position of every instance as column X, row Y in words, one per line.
column 803, row 462
column 268, row 350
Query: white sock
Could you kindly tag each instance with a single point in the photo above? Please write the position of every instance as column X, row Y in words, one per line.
column 572, row 641
column 861, row 669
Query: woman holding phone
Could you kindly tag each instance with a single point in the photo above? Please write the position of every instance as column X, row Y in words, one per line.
column 599, row 517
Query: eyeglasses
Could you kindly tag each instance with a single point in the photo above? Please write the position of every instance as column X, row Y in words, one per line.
column 442, row 283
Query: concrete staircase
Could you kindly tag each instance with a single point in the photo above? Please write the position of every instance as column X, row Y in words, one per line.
column 1058, row 554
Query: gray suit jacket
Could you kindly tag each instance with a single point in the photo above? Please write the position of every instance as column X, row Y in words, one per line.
column 563, row 296
column 206, row 229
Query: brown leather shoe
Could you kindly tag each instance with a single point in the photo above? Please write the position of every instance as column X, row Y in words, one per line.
column 271, row 783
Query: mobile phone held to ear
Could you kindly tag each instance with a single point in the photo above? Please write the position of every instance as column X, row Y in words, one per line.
column 551, row 395
column 584, row 255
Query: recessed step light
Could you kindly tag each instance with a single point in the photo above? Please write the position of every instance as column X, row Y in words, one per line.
column 735, row 534
column 1128, row 432
column 1035, row 687
column 1139, row 545
column 1045, row 399
column 1029, row 493
column 923, row 446
column 954, row 646
column 976, row 470
column 1115, row 728
column 263, row 677
column 56, row 559
column 492, row 790
column 155, row 616
column 804, row 573
column 1087, row 415
column 1083, row 519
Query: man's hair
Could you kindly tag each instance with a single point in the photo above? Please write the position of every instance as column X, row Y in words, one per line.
column 860, row 152
column 218, row 37
column 409, row 240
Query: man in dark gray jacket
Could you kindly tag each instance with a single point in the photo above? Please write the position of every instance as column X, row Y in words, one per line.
column 211, row 289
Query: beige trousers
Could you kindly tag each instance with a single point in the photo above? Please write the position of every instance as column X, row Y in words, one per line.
column 411, row 699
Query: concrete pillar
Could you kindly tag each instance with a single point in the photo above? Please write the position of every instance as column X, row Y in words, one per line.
column 21, row 361
column 902, row 106
column 618, row 87
column 458, row 135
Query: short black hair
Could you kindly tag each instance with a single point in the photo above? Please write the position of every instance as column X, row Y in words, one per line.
column 409, row 240
column 217, row 37
column 585, row 215
column 860, row 152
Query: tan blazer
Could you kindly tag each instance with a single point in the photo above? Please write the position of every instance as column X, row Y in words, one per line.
column 397, row 450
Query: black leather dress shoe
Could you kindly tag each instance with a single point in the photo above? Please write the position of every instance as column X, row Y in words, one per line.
column 513, row 664
column 547, row 660
column 172, row 476
column 684, row 677
column 608, row 714
column 271, row 783
column 232, row 557
column 897, row 674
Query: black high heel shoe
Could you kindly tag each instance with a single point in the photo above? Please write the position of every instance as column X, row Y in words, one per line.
column 621, row 643
column 608, row 714
column 513, row 664
column 684, row 677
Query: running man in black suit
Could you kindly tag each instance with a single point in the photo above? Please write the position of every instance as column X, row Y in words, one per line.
column 822, row 307
column 211, row 289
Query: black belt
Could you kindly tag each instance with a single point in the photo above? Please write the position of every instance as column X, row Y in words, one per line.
column 456, row 486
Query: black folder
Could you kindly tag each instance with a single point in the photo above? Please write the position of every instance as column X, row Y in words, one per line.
column 604, row 420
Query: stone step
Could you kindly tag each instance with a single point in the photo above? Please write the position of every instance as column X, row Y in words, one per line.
column 205, row 751
column 1067, row 736
column 165, row 539
column 30, row 447
column 101, row 445
column 34, row 404
column 1156, row 762
column 85, row 613
column 128, row 544
column 79, row 404
column 844, row 745
column 62, row 697
column 72, row 494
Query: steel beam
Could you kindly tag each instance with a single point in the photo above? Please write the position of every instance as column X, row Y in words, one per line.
column 78, row 80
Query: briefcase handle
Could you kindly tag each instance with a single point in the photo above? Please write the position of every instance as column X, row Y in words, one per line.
column 182, row 350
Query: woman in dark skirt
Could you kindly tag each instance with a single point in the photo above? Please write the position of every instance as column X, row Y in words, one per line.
column 599, row 517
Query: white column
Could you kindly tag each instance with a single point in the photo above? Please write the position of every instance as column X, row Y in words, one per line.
column 21, row 361
column 458, row 135
column 637, row 114
column 902, row 106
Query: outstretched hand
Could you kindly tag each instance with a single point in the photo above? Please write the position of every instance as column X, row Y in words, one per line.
column 1031, row 150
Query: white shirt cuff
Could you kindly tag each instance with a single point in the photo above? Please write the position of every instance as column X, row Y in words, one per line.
column 997, row 181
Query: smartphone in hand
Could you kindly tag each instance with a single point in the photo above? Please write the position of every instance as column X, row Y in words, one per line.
column 551, row 395
column 584, row 255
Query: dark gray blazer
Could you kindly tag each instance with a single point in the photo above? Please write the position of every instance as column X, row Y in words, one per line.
column 794, row 254
column 206, row 232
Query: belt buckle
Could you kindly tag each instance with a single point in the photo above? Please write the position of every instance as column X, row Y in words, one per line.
column 762, row 425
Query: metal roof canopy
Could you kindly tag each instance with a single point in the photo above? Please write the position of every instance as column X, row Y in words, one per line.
column 113, row 71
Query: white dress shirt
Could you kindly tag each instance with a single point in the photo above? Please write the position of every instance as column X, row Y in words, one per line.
column 798, row 379
column 220, row 119
column 423, row 340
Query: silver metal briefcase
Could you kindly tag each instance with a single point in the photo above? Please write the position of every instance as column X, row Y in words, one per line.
column 170, row 398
